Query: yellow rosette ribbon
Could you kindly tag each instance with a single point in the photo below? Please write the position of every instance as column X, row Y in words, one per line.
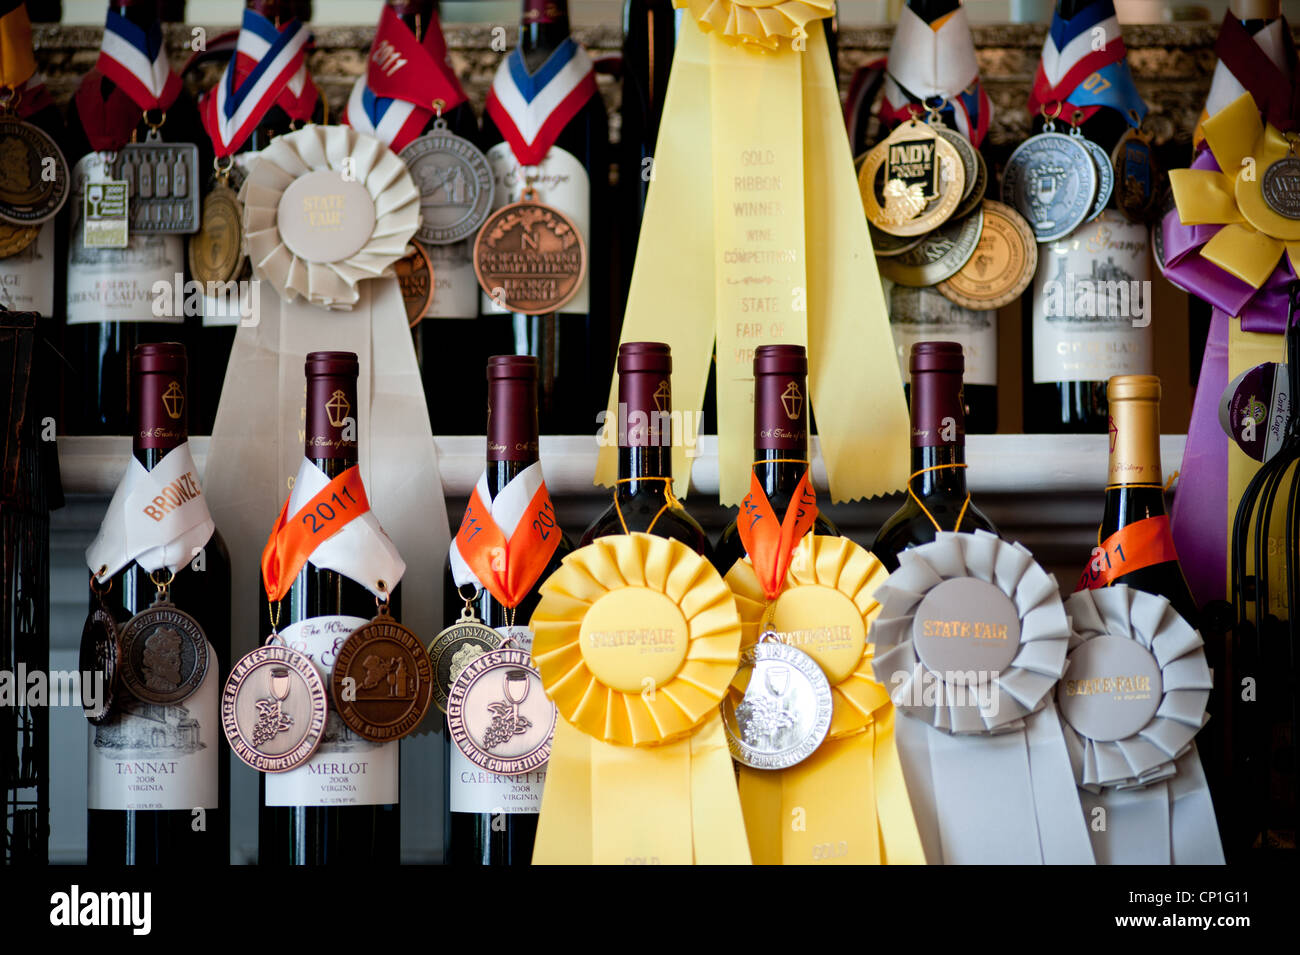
column 848, row 802
column 636, row 639
column 753, row 234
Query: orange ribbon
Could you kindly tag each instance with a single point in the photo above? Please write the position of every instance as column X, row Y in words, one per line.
column 770, row 544
column 1137, row 545
column 509, row 568
column 17, row 61
column 335, row 506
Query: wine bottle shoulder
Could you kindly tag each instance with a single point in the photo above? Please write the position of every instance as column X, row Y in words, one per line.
column 649, row 517
column 910, row 526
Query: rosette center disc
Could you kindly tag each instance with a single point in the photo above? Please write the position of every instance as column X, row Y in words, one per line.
column 1111, row 688
column 966, row 631
column 634, row 639
column 323, row 217
column 825, row 624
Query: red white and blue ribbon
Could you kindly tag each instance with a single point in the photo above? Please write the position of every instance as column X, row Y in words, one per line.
column 1083, row 68
column 933, row 65
column 532, row 109
column 404, row 80
column 269, row 68
column 135, row 60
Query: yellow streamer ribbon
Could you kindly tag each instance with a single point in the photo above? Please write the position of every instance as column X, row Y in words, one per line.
column 752, row 131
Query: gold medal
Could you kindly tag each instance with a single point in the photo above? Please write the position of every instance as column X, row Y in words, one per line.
column 15, row 238
column 530, row 257
column 1002, row 265
column 33, row 173
column 452, row 650
column 216, row 251
column 921, row 180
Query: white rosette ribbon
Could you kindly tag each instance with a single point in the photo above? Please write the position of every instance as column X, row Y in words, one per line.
column 1141, row 772
column 982, row 747
column 383, row 213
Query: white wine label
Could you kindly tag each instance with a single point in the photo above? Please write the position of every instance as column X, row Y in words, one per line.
column 455, row 286
column 924, row 315
column 27, row 277
column 117, row 285
column 346, row 769
column 151, row 756
column 1092, row 303
column 474, row 789
column 561, row 182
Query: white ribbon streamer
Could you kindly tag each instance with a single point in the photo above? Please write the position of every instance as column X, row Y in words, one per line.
column 156, row 518
column 506, row 509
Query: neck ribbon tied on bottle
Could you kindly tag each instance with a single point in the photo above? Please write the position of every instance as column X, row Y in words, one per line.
column 135, row 59
column 532, row 109
column 1084, row 68
column 769, row 542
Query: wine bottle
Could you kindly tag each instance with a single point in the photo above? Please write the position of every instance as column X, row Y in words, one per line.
column 159, row 776
column 924, row 314
column 643, row 497
column 280, row 114
column 937, row 498
column 1134, row 543
column 342, row 805
column 110, row 291
column 546, row 76
column 780, row 441
column 1076, row 333
column 492, row 819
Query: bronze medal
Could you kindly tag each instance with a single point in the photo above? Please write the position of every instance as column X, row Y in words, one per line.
column 1137, row 175
column 530, row 257
column 382, row 682
column 453, row 648
column 922, row 184
column 1002, row 265
column 216, row 251
column 98, row 661
column 164, row 653
column 15, row 238
column 939, row 255
column 499, row 715
column 34, row 175
column 414, row 274
column 273, row 708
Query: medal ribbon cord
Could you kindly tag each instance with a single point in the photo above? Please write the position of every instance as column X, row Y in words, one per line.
column 726, row 144
column 1073, row 73
column 404, row 81
column 135, row 59
column 532, row 109
column 770, row 543
column 504, row 543
column 268, row 69
column 293, row 539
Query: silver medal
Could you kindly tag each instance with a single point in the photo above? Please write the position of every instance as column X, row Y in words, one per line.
column 786, row 710
column 1105, row 174
column 455, row 183
column 1281, row 187
column 1051, row 180
column 161, row 184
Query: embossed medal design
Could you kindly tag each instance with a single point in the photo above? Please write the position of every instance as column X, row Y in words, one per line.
column 1137, row 175
column 161, row 183
column 922, row 182
column 1051, row 180
column 455, row 183
column 1105, row 174
column 974, row 171
column 15, row 238
column 99, row 660
column 216, row 251
column 1002, row 265
column 1280, row 185
column 939, row 255
column 499, row 715
column 273, row 708
column 164, row 653
column 382, row 683
column 34, row 177
column 786, row 709
column 453, row 648
column 415, row 278
column 530, row 257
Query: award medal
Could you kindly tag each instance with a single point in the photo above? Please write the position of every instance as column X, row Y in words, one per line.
column 498, row 713
column 161, row 188
column 923, row 180
column 455, row 183
column 973, row 168
column 1051, row 180
column 529, row 257
column 1105, row 173
column 382, row 682
column 415, row 278
column 216, row 251
column 1280, row 183
column 452, row 650
column 273, row 707
column 164, row 652
column 939, row 256
column 15, row 238
column 33, row 173
column 1137, row 175
column 100, row 655
column 885, row 245
column 1002, row 265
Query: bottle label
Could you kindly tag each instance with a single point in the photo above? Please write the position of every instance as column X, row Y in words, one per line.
column 134, row 284
column 561, row 182
column 1092, row 303
column 155, row 757
column 474, row 789
column 924, row 315
column 27, row 277
column 346, row 770
column 455, row 286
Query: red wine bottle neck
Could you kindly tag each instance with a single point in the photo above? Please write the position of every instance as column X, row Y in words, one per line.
column 143, row 13
column 939, row 470
column 780, row 426
column 330, row 420
column 278, row 12
column 543, row 27
column 159, row 401
column 416, row 14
